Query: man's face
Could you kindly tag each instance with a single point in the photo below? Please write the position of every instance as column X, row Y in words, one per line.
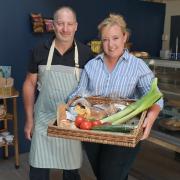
column 65, row 25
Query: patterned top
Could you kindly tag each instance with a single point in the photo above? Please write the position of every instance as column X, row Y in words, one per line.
column 131, row 78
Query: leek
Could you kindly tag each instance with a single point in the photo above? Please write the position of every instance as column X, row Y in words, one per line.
column 137, row 107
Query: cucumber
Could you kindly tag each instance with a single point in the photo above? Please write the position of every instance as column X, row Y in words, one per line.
column 114, row 128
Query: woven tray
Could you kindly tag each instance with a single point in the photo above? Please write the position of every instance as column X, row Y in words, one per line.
column 6, row 91
column 113, row 138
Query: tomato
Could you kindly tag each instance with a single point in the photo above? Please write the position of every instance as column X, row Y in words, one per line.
column 96, row 123
column 79, row 120
column 86, row 125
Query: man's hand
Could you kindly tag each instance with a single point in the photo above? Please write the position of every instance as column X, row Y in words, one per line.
column 28, row 129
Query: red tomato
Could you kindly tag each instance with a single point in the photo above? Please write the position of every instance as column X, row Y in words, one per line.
column 86, row 125
column 96, row 123
column 79, row 120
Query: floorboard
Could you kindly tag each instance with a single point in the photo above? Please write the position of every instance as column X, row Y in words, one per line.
column 152, row 163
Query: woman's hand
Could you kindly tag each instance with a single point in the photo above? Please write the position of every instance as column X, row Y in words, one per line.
column 153, row 113
column 28, row 129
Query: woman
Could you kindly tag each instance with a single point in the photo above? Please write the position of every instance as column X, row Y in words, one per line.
column 116, row 73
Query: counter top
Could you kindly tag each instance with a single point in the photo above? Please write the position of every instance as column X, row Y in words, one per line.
column 169, row 83
column 163, row 63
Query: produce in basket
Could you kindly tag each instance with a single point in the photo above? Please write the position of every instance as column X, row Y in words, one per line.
column 85, row 124
column 134, row 108
column 79, row 119
column 124, row 128
column 111, row 120
column 98, row 111
column 137, row 107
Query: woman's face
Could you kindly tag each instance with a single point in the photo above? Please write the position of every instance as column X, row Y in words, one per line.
column 113, row 41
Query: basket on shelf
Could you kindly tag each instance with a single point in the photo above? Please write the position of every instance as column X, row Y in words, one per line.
column 114, row 138
column 6, row 91
column 6, row 86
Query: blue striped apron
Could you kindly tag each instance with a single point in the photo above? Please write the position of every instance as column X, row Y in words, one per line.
column 55, row 83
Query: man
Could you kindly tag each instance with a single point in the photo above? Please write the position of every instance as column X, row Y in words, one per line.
column 54, row 69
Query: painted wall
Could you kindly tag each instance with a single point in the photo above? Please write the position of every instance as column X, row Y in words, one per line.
column 172, row 9
column 146, row 22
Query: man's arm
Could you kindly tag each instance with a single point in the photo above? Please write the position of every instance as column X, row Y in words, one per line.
column 29, row 88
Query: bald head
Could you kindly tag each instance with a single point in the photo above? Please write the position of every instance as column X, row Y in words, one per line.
column 66, row 9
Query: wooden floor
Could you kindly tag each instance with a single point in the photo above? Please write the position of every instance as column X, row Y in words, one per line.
column 156, row 163
column 152, row 163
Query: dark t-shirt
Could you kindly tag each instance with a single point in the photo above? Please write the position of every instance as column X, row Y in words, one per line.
column 39, row 56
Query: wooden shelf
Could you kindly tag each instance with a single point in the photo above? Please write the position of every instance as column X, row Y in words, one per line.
column 170, row 89
column 8, row 116
column 15, row 93
column 171, row 77
column 3, row 130
column 3, row 144
column 13, row 117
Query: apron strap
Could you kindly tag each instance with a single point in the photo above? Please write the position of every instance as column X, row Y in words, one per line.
column 50, row 56
column 76, row 60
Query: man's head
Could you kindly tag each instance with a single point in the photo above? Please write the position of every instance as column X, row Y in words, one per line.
column 65, row 24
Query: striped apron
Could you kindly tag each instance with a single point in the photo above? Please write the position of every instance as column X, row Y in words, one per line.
column 55, row 83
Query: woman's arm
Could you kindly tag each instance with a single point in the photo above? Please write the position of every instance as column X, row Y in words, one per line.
column 144, row 85
column 82, row 86
column 152, row 115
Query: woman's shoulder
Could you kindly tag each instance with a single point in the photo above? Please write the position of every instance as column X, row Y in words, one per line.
column 136, row 60
column 96, row 59
column 139, row 64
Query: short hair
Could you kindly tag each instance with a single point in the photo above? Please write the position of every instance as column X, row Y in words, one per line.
column 65, row 7
column 114, row 19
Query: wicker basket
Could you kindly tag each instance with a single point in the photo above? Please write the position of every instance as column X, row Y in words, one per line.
column 113, row 138
column 6, row 91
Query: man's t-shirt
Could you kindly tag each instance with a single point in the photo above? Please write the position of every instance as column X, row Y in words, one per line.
column 40, row 54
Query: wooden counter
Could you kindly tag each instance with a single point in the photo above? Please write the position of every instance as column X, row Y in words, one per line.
column 168, row 73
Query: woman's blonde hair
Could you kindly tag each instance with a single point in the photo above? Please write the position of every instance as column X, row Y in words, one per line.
column 113, row 19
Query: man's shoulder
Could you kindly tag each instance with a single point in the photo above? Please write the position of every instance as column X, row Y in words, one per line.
column 42, row 45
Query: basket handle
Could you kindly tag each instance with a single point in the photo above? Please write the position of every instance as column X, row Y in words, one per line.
column 70, row 101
